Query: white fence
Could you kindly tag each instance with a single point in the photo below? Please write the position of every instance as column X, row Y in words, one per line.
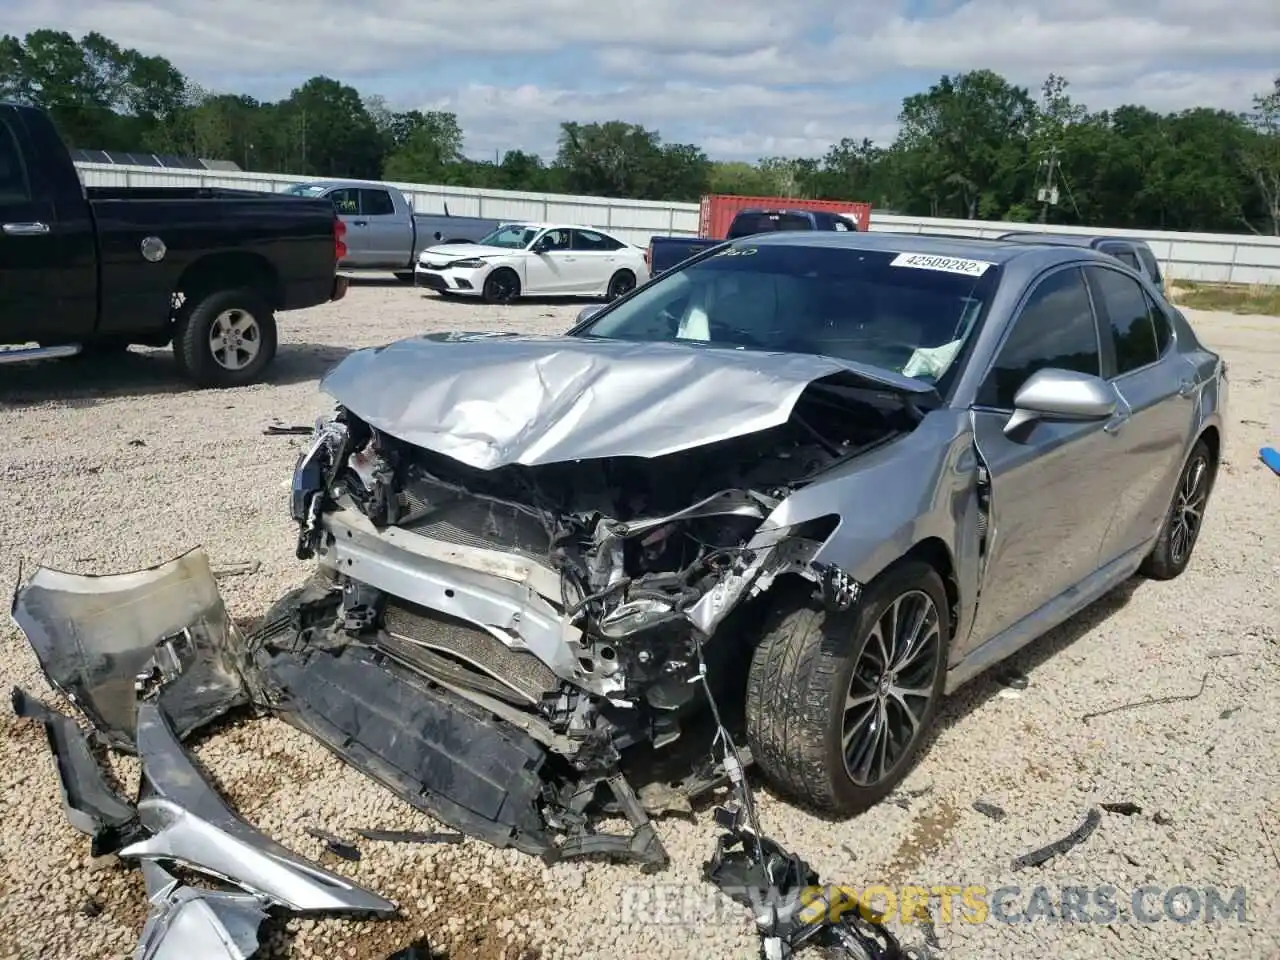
column 1223, row 258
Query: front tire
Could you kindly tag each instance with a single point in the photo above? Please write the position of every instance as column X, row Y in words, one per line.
column 838, row 704
column 501, row 286
column 225, row 338
column 1181, row 528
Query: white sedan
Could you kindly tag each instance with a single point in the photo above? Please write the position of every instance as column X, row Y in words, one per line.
column 534, row 259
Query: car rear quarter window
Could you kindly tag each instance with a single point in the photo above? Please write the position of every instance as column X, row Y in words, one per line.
column 14, row 185
column 1132, row 318
column 376, row 203
column 1054, row 329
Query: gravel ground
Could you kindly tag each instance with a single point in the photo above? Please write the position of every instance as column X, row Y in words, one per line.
column 113, row 470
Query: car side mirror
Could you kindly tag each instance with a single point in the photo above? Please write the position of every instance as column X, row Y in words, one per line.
column 1053, row 394
column 542, row 245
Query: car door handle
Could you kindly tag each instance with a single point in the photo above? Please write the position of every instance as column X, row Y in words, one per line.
column 26, row 229
column 361, row 223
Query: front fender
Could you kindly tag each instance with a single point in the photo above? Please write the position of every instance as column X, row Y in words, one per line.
column 922, row 486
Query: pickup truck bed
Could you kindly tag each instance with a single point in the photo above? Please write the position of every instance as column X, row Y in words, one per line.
column 91, row 270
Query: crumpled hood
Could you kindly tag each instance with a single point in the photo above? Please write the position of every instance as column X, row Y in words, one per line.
column 459, row 251
column 491, row 399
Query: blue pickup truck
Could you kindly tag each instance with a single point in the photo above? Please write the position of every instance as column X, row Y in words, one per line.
column 666, row 252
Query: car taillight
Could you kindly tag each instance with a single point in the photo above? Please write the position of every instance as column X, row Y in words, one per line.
column 648, row 256
column 339, row 245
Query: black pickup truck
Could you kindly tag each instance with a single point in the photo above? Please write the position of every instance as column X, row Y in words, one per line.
column 666, row 252
column 89, row 271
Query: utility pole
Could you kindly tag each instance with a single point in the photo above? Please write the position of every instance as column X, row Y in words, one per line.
column 1048, row 194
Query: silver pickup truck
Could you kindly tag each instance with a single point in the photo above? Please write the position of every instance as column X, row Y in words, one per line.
column 383, row 232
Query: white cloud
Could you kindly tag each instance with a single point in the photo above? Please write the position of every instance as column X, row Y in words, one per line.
column 743, row 79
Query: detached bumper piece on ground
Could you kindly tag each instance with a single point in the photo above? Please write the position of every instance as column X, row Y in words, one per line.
column 151, row 656
column 96, row 639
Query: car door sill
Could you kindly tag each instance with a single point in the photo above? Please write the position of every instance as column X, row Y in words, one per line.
column 1035, row 624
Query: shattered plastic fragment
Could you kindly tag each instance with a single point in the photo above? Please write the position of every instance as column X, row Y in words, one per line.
column 193, row 826
column 1076, row 837
column 90, row 803
column 187, row 923
column 96, row 635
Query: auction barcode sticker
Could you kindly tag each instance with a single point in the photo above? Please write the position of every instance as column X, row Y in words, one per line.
column 924, row 261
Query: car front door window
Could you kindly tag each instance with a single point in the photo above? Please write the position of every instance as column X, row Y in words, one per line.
column 346, row 201
column 1055, row 329
column 546, row 271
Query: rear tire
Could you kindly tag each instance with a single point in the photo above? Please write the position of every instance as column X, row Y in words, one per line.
column 817, row 685
column 501, row 286
column 620, row 284
column 1182, row 524
column 225, row 338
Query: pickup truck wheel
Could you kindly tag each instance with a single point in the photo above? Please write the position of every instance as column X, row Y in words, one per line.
column 501, row 286
column 839, row 704
column 225, row 338
column 620, row 284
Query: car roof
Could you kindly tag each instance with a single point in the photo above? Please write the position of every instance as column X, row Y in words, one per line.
column 539, row 225
column 971, row 248
column 1066, row 239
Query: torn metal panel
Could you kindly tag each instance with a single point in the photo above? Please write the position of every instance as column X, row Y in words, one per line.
column 499, row 594
column 96, row 637
column 193, row 826
column 91, row 804
column 187, row 923
column 472, row 396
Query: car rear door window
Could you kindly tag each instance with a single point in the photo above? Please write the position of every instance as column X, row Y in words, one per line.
column 589, row 240
column 1131, row 316
column 376, row 203
column 14, row 185
column 1129, row 259
column 1054, row 329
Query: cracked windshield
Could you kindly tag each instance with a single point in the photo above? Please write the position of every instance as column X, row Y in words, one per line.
column 867, row 306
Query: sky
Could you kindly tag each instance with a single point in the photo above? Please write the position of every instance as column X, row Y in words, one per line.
column 741, row 78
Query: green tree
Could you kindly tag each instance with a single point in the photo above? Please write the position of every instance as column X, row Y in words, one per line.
column 969, row 134
column 332, row 132
column 426, row 148
column 1261, row 155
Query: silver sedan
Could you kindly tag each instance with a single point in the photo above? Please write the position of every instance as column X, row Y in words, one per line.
column 815, row 481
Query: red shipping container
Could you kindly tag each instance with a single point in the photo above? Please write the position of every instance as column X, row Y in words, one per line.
column 718, row 211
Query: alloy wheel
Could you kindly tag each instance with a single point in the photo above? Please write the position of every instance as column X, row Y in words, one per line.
column 1188, row 509
column 234, row 339
column 890, row 689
